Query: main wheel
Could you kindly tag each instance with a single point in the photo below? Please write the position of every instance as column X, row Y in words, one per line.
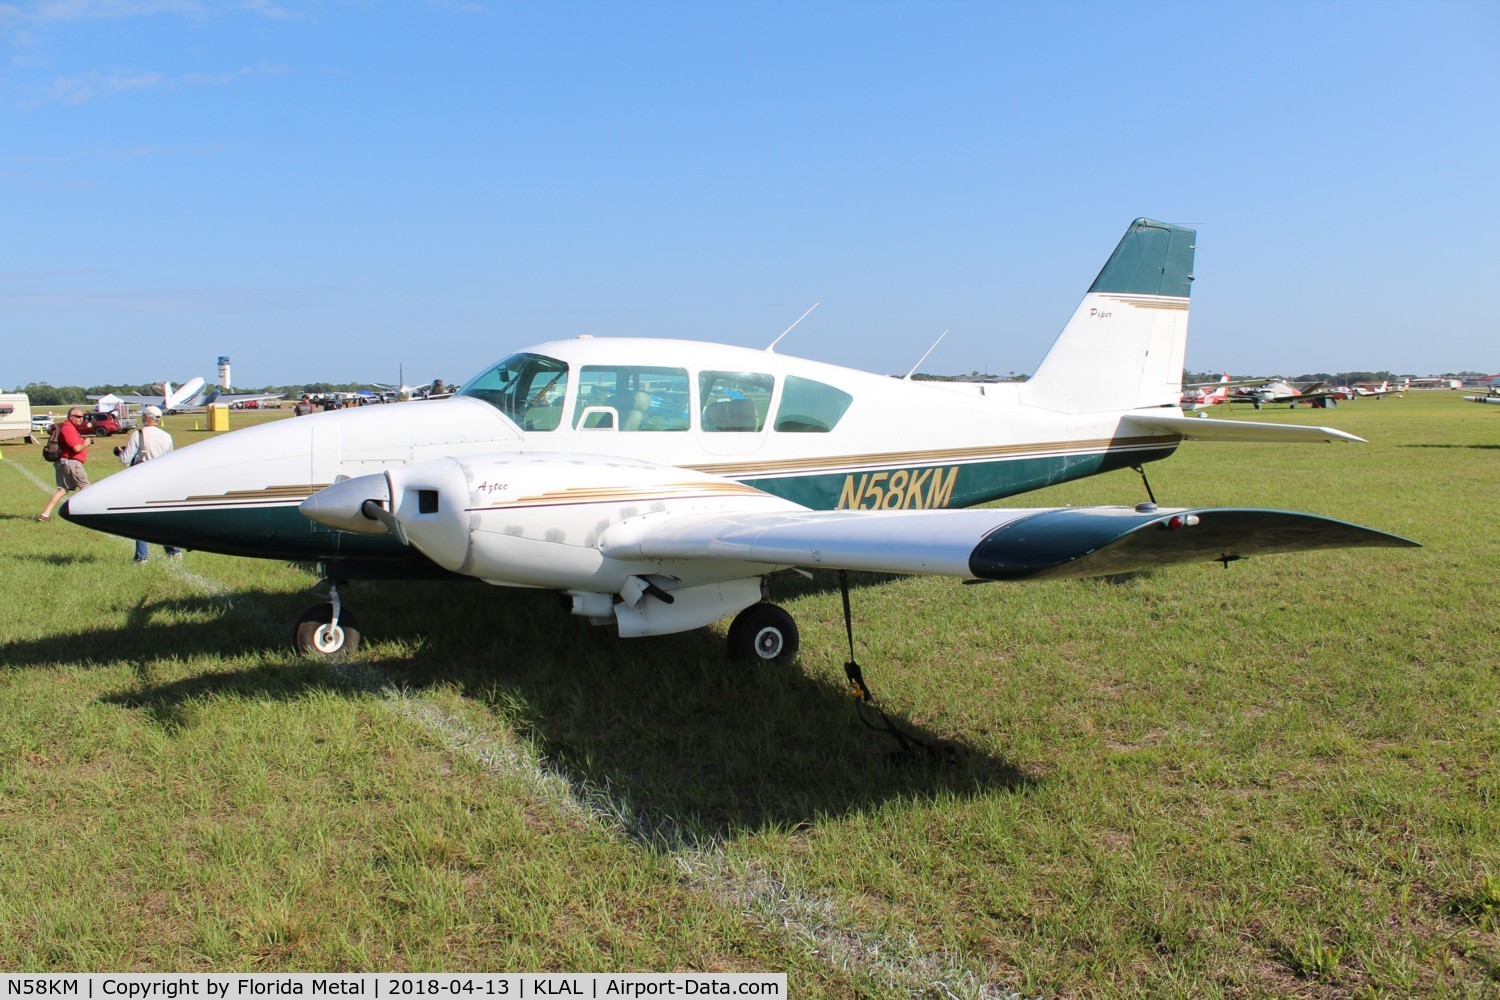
column 316, row 636
column 763, row 633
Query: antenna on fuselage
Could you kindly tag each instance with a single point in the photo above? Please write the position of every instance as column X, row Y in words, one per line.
column 771, row 348
column 924, row 357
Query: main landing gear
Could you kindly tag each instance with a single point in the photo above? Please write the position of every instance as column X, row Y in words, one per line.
column 763, row 633
column 327, row 630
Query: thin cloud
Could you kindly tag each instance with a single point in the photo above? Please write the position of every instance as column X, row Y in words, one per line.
column 85, row 88
column 71, row 11
column 91, row 86
column 54, row 12
column 217, row 300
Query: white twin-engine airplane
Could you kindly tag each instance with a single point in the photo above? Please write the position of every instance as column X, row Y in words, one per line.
column 657, row 484
column 192, row 393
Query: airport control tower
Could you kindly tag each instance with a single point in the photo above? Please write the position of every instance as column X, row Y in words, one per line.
column 224, row 382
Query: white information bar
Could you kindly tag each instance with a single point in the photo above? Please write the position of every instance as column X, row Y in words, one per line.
column 390, row 986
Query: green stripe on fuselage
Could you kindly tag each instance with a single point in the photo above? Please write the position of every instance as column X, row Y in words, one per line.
column 925, row 487
column 281, row 532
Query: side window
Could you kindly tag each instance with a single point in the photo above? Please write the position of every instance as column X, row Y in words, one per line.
column 735, row 401
column 809, row 407
column 631, row 398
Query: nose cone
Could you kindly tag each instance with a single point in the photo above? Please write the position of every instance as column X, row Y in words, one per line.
column 342, row 505
column 239, row 493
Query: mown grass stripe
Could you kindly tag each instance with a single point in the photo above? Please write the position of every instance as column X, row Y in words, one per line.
column 812, row 921
column 27, row 473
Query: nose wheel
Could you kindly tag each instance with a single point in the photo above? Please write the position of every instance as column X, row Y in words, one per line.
column 321, row 632
column 763, row 633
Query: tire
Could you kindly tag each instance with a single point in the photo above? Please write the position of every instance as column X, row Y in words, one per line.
column 313, row 636
column 763, row 633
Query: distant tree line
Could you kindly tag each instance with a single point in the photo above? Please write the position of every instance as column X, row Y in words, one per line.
column 45, row 394
column 1345, row 378
column 973, row 376
column 1337, row 378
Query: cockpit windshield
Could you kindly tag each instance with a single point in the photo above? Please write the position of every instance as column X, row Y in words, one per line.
column 528, row 388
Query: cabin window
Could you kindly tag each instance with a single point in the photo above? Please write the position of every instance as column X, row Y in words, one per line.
column 631, row 398
column 735, row 401
column 528, row 388
column 809, row 407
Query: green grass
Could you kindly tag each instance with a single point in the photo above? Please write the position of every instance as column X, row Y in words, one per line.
column 1276, row 779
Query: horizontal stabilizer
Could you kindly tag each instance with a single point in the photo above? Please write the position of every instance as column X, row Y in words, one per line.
column 1208, row 429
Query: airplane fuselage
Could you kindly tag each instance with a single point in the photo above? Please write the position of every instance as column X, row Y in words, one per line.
column 822, row 436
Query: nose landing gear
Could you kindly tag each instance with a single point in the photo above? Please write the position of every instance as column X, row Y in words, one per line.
column 326, row 630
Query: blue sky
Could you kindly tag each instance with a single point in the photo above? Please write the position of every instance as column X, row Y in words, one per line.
column 327, row 190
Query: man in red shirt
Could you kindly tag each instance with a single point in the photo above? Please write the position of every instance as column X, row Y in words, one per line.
column 69, row 465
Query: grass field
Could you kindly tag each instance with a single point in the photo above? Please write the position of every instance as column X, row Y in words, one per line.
column 1275, row 779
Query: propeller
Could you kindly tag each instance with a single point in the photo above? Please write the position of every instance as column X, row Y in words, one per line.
column 375, row 511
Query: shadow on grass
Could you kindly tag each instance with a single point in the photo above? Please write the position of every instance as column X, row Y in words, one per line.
column 176, row 628
column 59, row 558
column 1475, row 447
column 680, row 739
column 694, row 749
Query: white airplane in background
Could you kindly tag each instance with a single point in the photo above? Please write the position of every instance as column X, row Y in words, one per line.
column 1492, row 384
column 657, row 484
column 403, row 392
column 1376, row 392
column 1202, row 395
column 169, row 399
column 191, row 394
column 1493, row 396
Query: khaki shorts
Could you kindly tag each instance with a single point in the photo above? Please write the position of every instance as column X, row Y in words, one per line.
column 71, row 475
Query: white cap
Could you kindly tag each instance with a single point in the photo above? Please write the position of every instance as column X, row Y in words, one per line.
column 150, row 410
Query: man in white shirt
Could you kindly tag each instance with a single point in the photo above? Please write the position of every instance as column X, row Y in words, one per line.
column 151, row 441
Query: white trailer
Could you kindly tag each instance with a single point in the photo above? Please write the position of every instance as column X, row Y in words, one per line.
column 15, row 416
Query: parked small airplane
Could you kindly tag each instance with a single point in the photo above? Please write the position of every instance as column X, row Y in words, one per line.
column 657, row 484
column 1492, row 387
column 192, row 394
column 1202, row 395
column 1377, row 391
column 402, row 392
column 1281, row 392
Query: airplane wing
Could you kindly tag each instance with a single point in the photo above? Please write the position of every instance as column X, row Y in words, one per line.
column 1206, row 429
column 992, row 543
column 1228, row 384
column 243, row 397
